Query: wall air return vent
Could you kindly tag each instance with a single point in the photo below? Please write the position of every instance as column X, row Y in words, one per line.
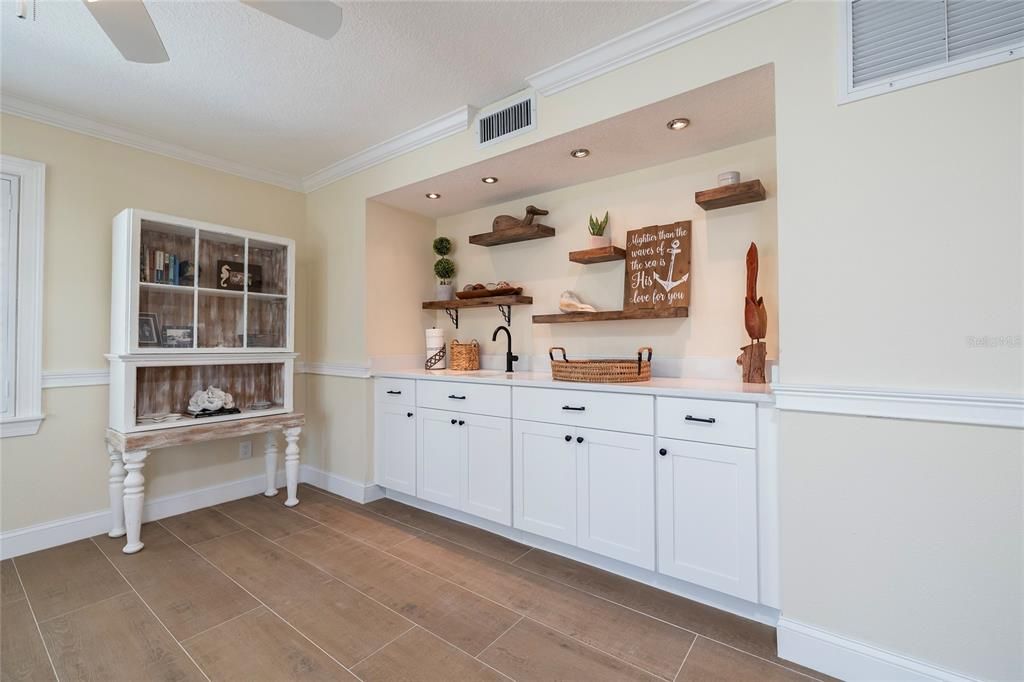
column 494, row 125
column 891, row 45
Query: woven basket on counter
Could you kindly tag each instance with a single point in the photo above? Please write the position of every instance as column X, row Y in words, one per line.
column 601, row 371
column 464, row 357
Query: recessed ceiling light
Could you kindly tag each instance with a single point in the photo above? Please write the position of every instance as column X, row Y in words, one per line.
column 433, row 195
column 677, row 123
column 490, row 180
column 580, row 153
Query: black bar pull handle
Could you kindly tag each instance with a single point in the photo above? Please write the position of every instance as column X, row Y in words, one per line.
column 394, row 393
column 457, row 397
column 574, row 409
column 709, row 420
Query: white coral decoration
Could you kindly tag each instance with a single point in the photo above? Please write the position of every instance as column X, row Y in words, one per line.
column 211, row 399
column 571, row 303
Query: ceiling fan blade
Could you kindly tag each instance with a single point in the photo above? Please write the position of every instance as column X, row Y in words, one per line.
column 128, row 25
column 319, row 17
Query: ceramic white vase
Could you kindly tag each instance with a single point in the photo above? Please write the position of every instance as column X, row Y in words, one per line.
column 444, row 292
column 599, row 242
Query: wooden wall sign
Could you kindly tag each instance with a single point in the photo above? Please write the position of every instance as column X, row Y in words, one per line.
column 658, row 267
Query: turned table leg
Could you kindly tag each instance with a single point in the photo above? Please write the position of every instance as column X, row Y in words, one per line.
column 291, row 464
column 116, row 486
column 271, row 458
column 134, row 494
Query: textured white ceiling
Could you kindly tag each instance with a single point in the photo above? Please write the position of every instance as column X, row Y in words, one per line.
column 247, row 88
column 722, row 114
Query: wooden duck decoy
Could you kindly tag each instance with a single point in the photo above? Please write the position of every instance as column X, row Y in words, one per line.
column 507, row 222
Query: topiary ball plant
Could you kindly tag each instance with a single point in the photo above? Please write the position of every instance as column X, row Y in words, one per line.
column 442, row 246
column 444, row 269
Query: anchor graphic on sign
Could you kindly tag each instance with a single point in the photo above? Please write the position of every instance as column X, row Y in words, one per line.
column 670, row 284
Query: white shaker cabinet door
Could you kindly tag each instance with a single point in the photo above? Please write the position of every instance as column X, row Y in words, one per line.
column 707, row 515
column 438, row 455
column 396, row 448
column 544, row 479
column 616, row 495
column 487, row 467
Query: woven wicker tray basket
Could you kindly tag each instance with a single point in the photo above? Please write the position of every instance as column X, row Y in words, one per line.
column 601, row 371
column 464, row 357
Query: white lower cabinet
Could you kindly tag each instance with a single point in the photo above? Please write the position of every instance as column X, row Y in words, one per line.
column 544, row 479
column 586, row 487
column 487, row 468
column 707, row 515
column 396, row 447
column 615, row 495
column 463, row 462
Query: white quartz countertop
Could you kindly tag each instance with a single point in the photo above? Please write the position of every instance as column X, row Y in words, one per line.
column 707, row 389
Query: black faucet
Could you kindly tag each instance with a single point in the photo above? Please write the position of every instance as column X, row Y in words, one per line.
column 509, row 358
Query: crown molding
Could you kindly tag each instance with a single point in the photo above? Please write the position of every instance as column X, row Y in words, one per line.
column 955, row 408
column 439, row 128
column 17, row 106
column 693, row 21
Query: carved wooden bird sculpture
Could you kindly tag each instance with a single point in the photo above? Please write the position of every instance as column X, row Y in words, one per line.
column 755, row 317
column 505, row 222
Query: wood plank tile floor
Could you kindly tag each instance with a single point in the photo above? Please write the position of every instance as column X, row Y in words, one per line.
column 334, row 590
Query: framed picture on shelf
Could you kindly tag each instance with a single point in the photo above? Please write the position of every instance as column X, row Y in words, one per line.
column 231, row 275
column 177, row 337
column 149, row 329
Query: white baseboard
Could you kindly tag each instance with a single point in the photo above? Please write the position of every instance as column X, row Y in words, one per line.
column 851, row 660
column 53, row 533
column 339, row 485
column 724, row 602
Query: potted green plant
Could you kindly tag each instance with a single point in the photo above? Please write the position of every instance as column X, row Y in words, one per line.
column 597, row 229
column 444, row 268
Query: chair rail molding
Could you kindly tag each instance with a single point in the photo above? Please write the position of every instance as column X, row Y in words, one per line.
column 693, row 21
column 1006, row 410
column 849, row 659
column 70, row 378
column 329, row 369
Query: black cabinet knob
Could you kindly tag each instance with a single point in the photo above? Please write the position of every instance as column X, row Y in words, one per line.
column 454, row 420
column 408, row 414
column 579, row 439
column 663, row 452
column 461, row 422
column 568, row 438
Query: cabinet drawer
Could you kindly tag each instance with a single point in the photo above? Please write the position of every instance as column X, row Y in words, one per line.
column 394, row 391
column 708, row 421
column 610, row 411
column 465, row 397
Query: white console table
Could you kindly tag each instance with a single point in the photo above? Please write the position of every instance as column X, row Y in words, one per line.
column 128, row 452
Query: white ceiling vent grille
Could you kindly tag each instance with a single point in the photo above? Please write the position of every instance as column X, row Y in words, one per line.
column 508, row 121
column 892, row 45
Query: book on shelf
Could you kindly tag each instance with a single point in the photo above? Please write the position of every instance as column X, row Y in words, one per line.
column 160, row 267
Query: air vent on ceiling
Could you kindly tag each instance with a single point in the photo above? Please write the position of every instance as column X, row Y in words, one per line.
column 508, row 121
column 892, row 45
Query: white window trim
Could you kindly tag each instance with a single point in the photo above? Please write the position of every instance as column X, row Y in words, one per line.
column 29, row 380
column 847, row 93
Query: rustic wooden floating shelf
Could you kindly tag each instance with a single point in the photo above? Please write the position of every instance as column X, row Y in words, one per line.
column 512, row 235
column 730, row 195
column 503, row 303
column 601, row 254
column 610, row 315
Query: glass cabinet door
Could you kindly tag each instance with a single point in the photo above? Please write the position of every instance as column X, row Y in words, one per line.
column 221, row 308
column 166, row 281
column 267, row 304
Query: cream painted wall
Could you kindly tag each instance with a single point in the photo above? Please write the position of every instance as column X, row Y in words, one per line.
column 899, row 236
column 399, row 276
column 62, row 471
column 900, row 532
column 653, row 196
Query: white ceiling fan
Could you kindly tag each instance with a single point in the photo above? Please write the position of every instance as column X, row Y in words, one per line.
column 128, row 25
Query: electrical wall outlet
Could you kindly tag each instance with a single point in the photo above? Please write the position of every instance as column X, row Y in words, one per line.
column 245, row 450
